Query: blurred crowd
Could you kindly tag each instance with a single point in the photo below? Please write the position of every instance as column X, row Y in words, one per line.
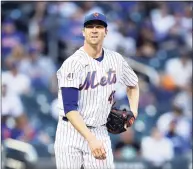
column 38, row 36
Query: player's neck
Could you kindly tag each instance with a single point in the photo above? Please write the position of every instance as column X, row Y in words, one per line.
column 93, row 51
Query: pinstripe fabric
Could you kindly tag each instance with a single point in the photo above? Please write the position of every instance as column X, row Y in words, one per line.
column 68, row 146
column 96, row 82
column 128, row 77
column 72, row 151
column 89, row 161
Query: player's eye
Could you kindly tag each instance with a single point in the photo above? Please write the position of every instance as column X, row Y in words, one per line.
column 89, row 26
column 99, row 26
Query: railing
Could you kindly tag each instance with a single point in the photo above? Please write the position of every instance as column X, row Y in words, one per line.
column 19, row 155
column 150, row 72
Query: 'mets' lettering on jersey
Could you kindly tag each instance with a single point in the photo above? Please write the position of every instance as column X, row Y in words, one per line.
column 105, row 80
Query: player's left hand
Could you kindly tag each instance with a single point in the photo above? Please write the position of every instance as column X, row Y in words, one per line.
column 130, row 118
column 119, row 120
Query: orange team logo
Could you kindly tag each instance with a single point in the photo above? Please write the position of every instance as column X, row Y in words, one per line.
column 96, row 14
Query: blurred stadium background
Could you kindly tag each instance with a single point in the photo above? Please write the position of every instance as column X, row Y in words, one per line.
column 155, row 38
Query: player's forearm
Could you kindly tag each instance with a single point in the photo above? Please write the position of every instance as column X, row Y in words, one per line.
column 133, row 96
column 76, row 120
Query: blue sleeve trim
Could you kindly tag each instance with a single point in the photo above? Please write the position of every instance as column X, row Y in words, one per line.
column 70, row 99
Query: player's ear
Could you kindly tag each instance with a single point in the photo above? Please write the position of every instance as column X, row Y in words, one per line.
column 83, row 32
column 106, row 30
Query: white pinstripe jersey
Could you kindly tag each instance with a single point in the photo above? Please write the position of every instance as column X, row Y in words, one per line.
column 96, row 82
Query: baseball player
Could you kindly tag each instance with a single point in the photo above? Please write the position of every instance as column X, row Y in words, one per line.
column 87, row 81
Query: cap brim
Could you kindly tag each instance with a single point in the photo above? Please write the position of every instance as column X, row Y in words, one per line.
column 91, row 21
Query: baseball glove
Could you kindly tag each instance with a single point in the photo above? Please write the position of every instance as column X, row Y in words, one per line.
column 119, row 120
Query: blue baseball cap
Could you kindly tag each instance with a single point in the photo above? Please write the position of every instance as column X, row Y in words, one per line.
column 95, row 17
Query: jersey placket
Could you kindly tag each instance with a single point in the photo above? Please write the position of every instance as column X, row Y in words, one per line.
column 101, row 73
column 99, row 97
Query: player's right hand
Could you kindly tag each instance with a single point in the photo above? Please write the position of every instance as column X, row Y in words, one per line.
column 97, row 149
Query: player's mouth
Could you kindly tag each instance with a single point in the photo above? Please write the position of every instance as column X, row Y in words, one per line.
column 94, row 37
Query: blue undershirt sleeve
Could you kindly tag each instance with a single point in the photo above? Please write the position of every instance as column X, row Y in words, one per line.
column 70, row 98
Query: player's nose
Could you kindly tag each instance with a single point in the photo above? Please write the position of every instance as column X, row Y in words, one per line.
column 94, row 30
